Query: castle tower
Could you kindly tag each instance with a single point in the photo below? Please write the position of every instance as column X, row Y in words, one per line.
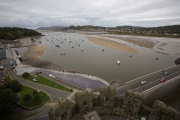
column 132, row 103
column 107, row 96
column 84, row 100
column 62, row 110
column 162, row 112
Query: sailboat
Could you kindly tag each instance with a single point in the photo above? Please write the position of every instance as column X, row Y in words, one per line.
column 118, row 62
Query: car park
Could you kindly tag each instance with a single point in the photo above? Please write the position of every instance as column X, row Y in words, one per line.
column 163, row 79
column 143, row 82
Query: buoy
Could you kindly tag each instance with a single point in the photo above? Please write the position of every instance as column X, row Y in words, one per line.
column 157, row 58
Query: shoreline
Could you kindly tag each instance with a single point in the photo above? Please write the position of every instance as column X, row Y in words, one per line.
column 35, row 51
column 113, row 44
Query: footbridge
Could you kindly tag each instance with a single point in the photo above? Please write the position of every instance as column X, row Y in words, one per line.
column 153, row 81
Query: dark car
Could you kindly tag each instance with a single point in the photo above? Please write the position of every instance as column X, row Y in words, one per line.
column 163, row 79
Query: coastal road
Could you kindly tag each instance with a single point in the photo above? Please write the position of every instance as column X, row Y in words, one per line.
column 54, row 93
column 151, row 82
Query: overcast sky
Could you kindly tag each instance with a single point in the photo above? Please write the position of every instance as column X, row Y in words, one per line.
column 108, row 13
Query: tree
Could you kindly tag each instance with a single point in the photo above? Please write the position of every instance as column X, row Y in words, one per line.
column 26, row 74
column 27, row 97
column 177, row 61
column 35, row 92
column 8, row 102
column 16, row 86
column 36, row 97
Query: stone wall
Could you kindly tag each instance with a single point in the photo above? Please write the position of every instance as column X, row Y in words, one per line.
column 107, row 103
column 62, row 111
column 84, row 100
column 163, row 112
column 107, row 96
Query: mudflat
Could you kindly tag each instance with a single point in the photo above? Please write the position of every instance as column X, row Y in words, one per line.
column 35, row 51
column 113, row 45
column 140, row 42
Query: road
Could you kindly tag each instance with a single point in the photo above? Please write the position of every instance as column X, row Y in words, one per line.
column 151, row 82
column 54, row 93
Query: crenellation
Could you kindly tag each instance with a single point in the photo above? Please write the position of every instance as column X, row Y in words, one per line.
column 105, row 102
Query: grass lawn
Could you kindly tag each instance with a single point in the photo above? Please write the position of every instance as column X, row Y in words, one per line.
column 47, row 82
column 32, row 103
column 28, row 90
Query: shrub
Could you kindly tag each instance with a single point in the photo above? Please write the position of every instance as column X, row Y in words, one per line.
column 16, row 86
column 26, row 74
column 27, row 97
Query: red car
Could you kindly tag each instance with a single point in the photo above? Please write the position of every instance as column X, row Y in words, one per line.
column 2, row 81
column 163, row 79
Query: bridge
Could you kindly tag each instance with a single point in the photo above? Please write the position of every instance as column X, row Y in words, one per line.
column 153, row 81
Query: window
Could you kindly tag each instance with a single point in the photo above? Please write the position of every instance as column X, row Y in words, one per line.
column 85, row 103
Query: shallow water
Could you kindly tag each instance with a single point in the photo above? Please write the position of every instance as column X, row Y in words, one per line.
column 103, row 64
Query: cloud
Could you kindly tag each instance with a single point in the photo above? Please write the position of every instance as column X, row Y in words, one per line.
column 109, row 13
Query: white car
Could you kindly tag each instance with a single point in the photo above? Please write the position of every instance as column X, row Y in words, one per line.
column 35, row 79
column 143, row 82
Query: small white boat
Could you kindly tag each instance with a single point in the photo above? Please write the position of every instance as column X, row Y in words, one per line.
column 82, row 49
column 62, row 53
column 118, row 62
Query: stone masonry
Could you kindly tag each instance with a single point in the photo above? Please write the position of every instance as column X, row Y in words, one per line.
column 105, row 102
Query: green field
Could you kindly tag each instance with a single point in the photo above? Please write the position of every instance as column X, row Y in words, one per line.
column 44, row 81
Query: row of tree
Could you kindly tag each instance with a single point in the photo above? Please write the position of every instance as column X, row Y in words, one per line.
column 9, row 98
column 8, row 33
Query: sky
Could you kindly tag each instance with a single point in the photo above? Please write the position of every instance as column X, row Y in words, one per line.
column 107, row 13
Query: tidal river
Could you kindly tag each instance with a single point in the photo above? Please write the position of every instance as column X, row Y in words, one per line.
column 83, row 56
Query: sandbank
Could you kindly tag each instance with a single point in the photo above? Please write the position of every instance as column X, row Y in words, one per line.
column 113, row 45
column 35, row 51
column 140, row 42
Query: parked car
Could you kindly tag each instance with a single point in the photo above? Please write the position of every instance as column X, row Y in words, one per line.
column 163, row 79
column 35, row 80
column 143, row 82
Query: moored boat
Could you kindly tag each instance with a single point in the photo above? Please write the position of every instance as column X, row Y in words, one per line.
column 118, row 62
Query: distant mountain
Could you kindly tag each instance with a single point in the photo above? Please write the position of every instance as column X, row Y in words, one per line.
column 50, row 28
column 170, row 28
column 128, row 26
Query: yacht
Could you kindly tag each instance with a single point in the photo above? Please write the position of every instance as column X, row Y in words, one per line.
column 118, row 62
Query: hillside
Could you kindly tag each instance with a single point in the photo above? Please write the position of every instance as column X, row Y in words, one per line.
column 51, row 28
column 8, row 33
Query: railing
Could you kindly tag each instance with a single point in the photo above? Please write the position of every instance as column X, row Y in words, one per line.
column 147, row 76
